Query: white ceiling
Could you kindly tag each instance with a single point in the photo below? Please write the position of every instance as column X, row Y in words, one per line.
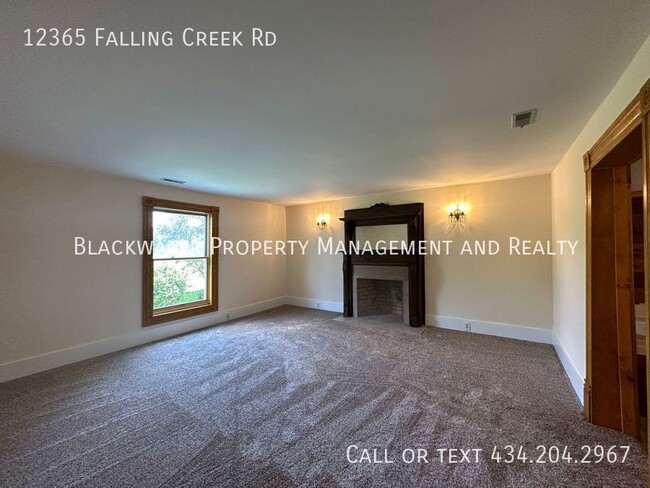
column 356, row 97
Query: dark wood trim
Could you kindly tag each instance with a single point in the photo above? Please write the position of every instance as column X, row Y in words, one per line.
column 645, row 135
column 147, row 262
column 588, row 244
column 381, row 259
column 382, row 213
column 411, row 214
column 644, row 96
column 603, row 367
column 611, row 388
column 626, row 152
column 625, row 302
column 625, row 123
column 149, row 317
column 174, row 205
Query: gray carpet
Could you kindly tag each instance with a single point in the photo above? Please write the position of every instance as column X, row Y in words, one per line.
column 275, row 399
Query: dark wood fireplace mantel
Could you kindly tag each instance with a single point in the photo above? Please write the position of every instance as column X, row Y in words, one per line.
column 411, row 214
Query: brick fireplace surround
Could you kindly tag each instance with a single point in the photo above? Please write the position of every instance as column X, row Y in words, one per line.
column 381, row 290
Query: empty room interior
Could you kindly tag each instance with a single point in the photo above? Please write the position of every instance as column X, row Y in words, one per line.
column 324, row 244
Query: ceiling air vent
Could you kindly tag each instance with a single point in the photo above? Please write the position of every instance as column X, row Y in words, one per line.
column 522, row 119
column 170, row 180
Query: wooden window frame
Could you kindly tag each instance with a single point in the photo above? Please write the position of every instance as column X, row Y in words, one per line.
column 168, row 314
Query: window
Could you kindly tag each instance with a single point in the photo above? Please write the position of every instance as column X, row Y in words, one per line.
column 180, row 275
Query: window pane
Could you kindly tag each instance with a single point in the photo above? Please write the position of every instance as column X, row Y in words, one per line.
column 179, row 281
column 178, row 235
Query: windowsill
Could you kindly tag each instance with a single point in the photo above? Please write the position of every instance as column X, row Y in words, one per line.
column 170, row 314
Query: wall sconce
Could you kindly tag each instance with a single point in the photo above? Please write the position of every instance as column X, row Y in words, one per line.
column 457, row 215
column 322, row 221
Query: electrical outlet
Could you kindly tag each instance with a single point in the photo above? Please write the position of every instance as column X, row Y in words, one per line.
column 468, row 326
column 318, row 305
column 227, row 316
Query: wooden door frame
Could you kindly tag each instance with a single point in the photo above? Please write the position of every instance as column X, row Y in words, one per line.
column 635, row 116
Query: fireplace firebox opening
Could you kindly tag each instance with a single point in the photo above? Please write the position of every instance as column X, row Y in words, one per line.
column 379, row 297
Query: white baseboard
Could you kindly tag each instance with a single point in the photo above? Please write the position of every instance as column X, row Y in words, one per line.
column 43, row 362
column 313, row 303
column 532, row 334
column 521, row 332
column 577, row 382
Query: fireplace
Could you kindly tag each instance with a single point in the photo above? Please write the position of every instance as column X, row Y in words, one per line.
column 379, row 297
column 380, row 283
column 381, row 290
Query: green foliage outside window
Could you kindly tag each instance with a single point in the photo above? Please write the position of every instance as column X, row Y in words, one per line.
column 182, row 280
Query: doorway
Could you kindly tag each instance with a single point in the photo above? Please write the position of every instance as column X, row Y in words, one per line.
column 617, row 177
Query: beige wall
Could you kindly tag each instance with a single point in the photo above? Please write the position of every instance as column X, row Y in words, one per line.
column 51, row 299
column 568, row 195
column 502, row 289
column 54, row 301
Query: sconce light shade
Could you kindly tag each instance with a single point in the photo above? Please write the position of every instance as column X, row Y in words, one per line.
column 457, row 215
column 322, row 221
